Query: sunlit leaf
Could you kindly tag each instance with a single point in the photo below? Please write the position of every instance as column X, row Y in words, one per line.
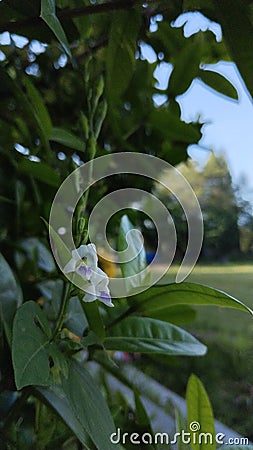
column 144, row 335
column 159, row 297
column 200, row 416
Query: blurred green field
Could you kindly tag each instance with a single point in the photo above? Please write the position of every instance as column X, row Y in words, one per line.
column 230, row 326
column 227, row 368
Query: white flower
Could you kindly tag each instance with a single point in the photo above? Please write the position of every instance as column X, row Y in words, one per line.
column 84, row 262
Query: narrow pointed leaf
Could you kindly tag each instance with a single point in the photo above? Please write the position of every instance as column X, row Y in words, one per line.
column 200, row 416
column 49, row 16
column 39, row 107
column 130, row 239
column 67, row 139
column 159, row 297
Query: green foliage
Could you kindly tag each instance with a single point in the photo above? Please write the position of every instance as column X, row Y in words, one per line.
column 10, row 297
column 199, row 412
column 58, row 112
column 144, row 335
column 32, row 357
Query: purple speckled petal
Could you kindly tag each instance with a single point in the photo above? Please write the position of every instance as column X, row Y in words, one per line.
column 85, row 272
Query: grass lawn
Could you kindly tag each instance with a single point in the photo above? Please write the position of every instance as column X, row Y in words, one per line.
column 230, row 326
column 227, row 368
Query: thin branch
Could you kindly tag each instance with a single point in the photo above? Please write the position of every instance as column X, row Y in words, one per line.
column 67, row 13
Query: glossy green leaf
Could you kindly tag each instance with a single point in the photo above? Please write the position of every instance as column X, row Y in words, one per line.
column 67, row 139
column 82, row 407
column 200, row 416
column 144, row 335
column 41, row 171
column 30, row 346
column 120, row 60
column 218, row 82
column 39, row 107
column 158, row 297
column 49, row 16
column 130, row 240
column 177, row 314
column 10, row 297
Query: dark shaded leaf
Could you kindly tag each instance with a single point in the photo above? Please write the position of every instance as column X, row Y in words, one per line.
column 10, row 297
column 234, row 17
column 121, row 50
column 219, row 83
column 36, row 359
column 49, row 16
column 40, row 171
column 82, row 407
column 67, row 139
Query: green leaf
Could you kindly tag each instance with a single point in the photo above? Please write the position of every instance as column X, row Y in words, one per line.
column 58, row 245
column 32, row 351
column 158, row 297
column 48, row 15
column 10, row 297
column 131, row 242
column 169, row 125
column 82, row 407
column 36, row 252
column 39, row 107
column 120, row 59
column 66, row 138
column 94, row 319
column 180, row 426
column 40, row 171
column 218, row 82
column 186, row 67
column 174, row 314
column 200, row 416
column 144, row 335
column 235, row 19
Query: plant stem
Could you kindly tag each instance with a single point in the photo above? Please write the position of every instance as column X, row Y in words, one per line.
column 64, row 308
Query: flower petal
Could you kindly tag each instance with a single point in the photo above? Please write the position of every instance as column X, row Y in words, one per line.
column 90, row 253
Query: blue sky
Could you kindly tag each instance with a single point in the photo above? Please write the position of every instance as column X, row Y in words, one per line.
column 228, row 123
